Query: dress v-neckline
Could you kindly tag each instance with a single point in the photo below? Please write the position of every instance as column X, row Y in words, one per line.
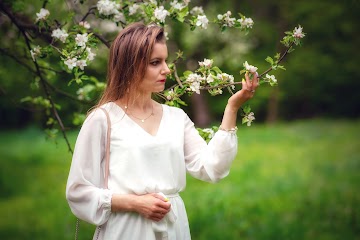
column 139, row 126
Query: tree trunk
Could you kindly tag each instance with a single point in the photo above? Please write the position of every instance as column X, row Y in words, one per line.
column 273, row 106
column 200, row 110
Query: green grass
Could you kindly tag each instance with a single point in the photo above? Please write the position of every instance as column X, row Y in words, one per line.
column 289, row 181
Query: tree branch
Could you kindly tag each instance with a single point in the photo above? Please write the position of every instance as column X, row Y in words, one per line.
column 38, row 72
column 280, row 59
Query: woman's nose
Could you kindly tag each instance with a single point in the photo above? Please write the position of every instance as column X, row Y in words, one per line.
column 165, row 70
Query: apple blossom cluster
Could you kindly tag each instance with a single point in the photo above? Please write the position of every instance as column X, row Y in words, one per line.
column 294, row 37
column 60, row 34
column 170, row 95
column 208, row 77
column 72, row 62
column 297, row 33
column 270, row 79
column 133, row 9
column 177, row 5
column 246, row 22
column 160, row 13
column 197, row 11
column 209, row 131
column 73, row 59
column 194, row 80
column 248, row 119
column 249, row 68
column 207, row 63
column 225, row 20
column 202, row 21
column 110, row 9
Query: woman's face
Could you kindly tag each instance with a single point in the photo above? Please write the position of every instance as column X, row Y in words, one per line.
column 156, row 71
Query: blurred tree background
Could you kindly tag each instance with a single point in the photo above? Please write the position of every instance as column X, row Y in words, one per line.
column 302, row 193
column 321, row 79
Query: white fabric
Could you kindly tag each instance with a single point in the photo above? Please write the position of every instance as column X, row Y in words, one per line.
column 141, row 163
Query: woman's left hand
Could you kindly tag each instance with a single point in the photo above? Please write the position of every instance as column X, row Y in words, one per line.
column 249, row 87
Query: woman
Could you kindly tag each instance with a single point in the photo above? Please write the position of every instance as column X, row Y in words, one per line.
column 152, row 146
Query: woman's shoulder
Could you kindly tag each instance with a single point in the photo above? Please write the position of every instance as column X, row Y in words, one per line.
column 174, row 110
column 95, row 116
column 111, row 108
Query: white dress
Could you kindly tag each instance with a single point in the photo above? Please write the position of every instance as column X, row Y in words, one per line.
column 141, row 163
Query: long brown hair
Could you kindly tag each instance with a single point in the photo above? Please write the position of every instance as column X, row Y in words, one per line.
column 130, row 54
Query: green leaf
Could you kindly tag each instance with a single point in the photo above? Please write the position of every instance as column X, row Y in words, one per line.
column 269, row 60
column 281, row 67
column 216, row 70
column 187, row 73
column 182, row 14
column 247, row 109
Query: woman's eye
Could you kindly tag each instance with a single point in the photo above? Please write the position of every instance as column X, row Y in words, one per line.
column 154, row 63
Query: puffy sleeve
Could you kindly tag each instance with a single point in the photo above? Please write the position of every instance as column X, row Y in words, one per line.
column 208, row 162
column 85, row 191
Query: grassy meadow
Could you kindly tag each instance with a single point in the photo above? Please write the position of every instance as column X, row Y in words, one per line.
column 290, row 181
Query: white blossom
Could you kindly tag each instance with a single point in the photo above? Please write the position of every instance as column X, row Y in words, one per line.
column 227, row 78
column 42, row 15
column 246, row 22
column 187, row 2
column 206, row 63
column 210, row 132
column 195, row 87
column 133, row 9
column 194, row 80
column 119, row 17
column 297, row 33
column 160, row 13
column 153, row 2
column 81, row 39
column 249, row 118
column 271, row 79
column 250, row 68
column 197, row 11
column 84, row 24
column 60, row 34
column 202, row 21
column 80, row 93
column 170, row 95
column 70, row 63
column 228, row 21
column 193, row 77
column 90, row 55
column 210, row 78
column 81, row 64
column 36, row 51
column 107, row 7
column 176, row 5
column 83, row 93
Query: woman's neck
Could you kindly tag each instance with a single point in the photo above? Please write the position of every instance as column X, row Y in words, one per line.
column 140, row 103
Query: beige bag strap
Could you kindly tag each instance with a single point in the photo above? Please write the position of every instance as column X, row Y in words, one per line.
column 107, row 147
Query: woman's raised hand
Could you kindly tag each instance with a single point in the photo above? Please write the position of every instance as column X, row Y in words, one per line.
column 249, row 87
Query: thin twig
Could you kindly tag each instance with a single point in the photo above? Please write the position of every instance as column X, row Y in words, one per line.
column 90, row 11
column 3, row 51
column 177, row 77
column 280, row 59
column 102, row 39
